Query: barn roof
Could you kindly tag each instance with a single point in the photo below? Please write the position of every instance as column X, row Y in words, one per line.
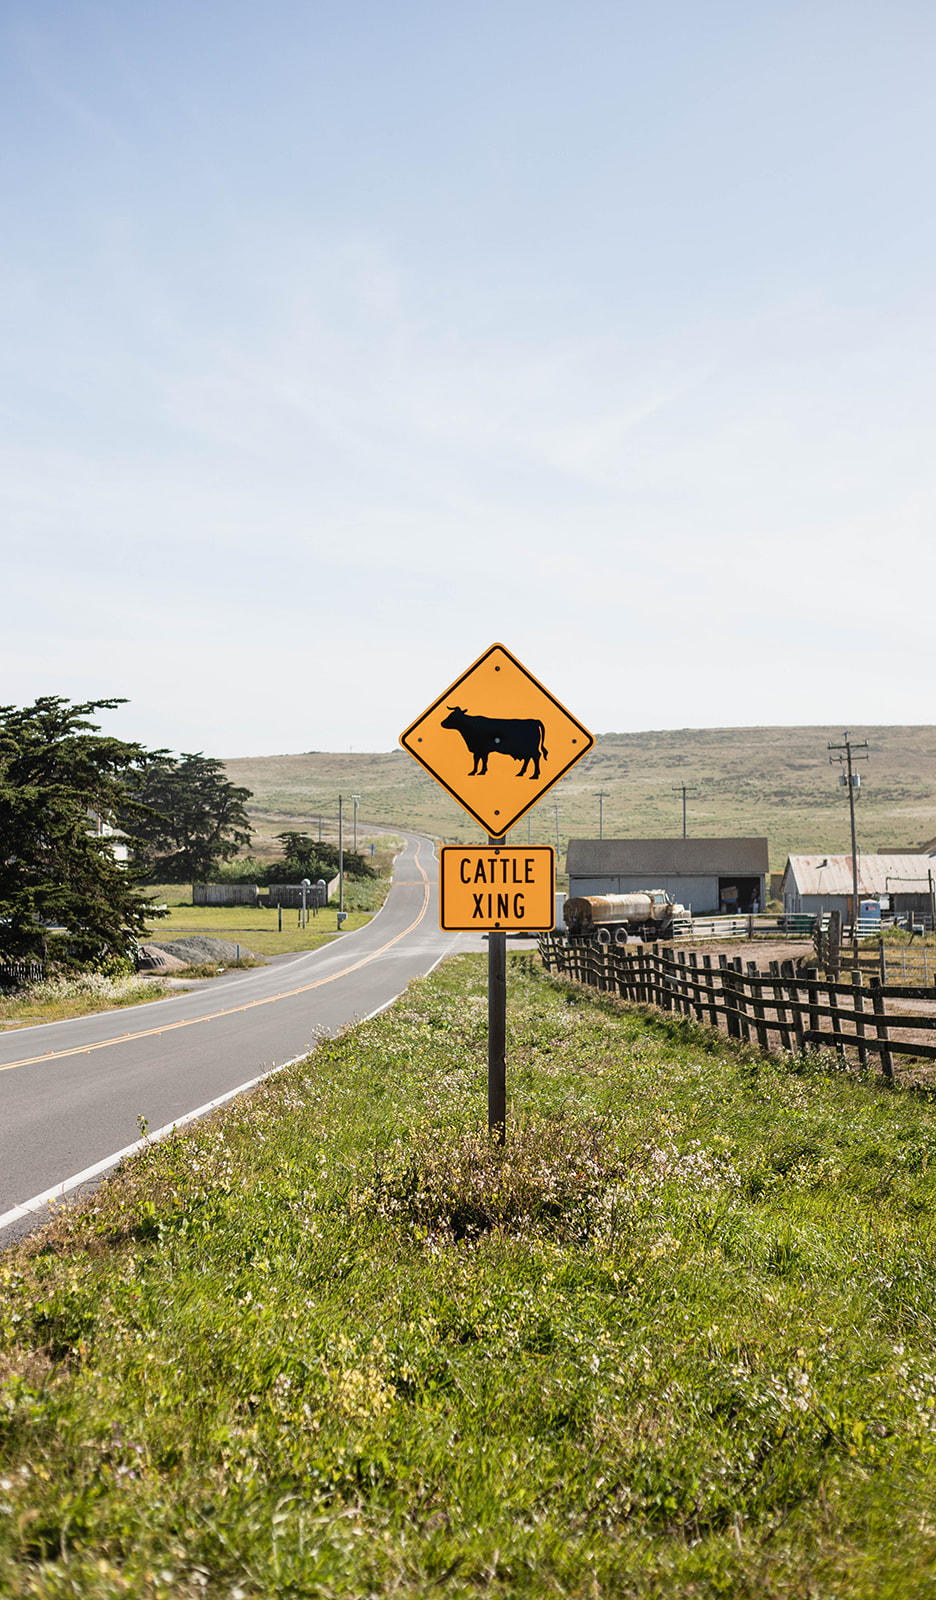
column 665, row 857
column 896, row 874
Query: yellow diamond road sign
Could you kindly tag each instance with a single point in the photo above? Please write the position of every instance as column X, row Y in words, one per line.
column 486, row 887
column 497, row 740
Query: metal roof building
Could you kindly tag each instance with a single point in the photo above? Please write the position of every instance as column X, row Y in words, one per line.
column 705, row 875
column 824, row 882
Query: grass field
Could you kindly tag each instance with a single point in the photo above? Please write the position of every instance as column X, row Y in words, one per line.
column 677, row 1339
column 255, row 927
column 773, row 781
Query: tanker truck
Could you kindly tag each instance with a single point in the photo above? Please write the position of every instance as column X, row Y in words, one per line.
column 615, row 918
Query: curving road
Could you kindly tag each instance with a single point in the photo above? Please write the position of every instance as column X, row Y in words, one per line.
column 71, row 1093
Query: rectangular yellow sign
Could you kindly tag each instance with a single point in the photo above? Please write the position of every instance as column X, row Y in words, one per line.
column 487, row 887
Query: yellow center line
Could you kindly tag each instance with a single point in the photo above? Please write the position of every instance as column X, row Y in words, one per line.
column 231, row 1011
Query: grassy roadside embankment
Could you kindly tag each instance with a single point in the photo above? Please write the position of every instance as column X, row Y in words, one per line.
column 676, row 1340
column 57, row 999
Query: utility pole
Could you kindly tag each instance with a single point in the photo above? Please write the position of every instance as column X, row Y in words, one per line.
column 357, row 801
column 556, row 814
column 845, row 755
column 601, row 797
column 681, row 788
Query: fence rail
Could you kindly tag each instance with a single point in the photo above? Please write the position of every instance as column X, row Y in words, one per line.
column 781, row 1007
column 748, row 925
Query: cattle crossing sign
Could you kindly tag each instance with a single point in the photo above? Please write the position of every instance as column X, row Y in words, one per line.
column 497, row 740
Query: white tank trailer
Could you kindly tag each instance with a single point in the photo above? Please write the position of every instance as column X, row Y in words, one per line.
column 616, row 918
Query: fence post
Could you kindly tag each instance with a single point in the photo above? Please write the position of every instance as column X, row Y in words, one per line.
column 837, row 1021
column 833, row 962
column 783, row 1020
column 695, row 992
column 710, row 991
column 883, row 955
column 812, row 992
column 732, row 1020
column 667, row 971
column 742, row 1000
column 858, row 1002
column 631, row 959
column 793, row 992
column 757, row 1005
column 880, row 1018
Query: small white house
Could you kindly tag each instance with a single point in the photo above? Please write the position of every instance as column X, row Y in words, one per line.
column 103, row 830
column 821, row 883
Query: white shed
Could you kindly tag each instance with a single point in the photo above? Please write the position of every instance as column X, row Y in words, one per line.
column 824, row 882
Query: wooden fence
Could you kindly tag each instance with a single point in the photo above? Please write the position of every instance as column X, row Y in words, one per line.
column 225, row 894
column 17, row 974
column 781, row 1007
column 836, row 954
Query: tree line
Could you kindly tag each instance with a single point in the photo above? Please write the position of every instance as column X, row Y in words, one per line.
column 63, row 894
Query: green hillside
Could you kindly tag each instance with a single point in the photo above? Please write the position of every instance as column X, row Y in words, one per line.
column 773, row 781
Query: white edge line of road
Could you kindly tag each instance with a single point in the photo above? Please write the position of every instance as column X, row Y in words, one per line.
column 30, row 1208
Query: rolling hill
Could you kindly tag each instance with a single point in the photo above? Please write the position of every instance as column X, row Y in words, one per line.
column 773, row 781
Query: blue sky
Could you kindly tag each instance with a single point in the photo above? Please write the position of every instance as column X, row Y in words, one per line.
column 341, row 340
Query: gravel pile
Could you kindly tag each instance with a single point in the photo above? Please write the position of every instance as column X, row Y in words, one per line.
column 197, row 950
column 154, row 959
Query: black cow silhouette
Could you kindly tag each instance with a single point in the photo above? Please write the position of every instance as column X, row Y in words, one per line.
column 523, row 739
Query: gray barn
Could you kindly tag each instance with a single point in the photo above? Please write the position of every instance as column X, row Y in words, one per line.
column 704, row 875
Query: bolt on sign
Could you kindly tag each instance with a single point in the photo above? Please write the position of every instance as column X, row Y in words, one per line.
column 484, row 888
column 497, row 740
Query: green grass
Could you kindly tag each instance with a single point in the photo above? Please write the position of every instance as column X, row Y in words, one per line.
column 255, row 927
column 773, row 781
column 677, row 1339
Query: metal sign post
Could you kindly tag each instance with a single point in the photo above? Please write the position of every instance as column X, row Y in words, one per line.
column 497, row 1029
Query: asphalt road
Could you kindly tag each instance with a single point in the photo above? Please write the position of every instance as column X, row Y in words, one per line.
column 71, row 1093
